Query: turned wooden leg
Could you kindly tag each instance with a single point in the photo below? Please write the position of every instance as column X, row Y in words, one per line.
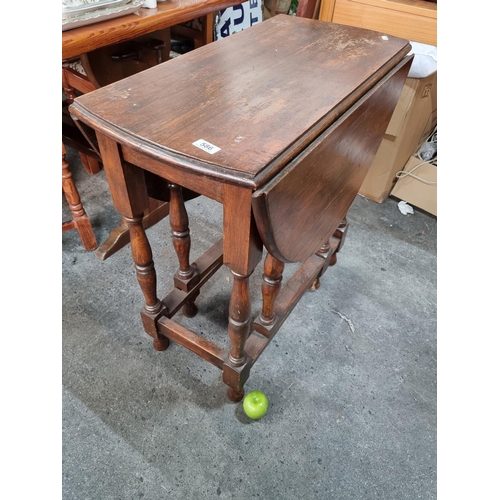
column 338, row 239
column 235, row 395
column 324, row 251
column 238, row 328
column 179, row 222
column 239, row 318
column 145, row 272
column 271, row 285
column 80, row 220
column 242, row 250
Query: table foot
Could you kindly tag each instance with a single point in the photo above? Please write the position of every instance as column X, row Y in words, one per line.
column 161, row 343
column 235, row 395
column 150, row 322
column 190, row 309
column 235, row 377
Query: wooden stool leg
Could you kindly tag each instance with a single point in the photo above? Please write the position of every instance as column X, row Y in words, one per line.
column 80, row 220
column 145, row 272
column 271, row 285
column 242, row 248
column 235, row 395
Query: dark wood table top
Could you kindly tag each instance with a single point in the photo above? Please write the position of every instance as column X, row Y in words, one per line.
column 260, row 95
column 81, row 40
column 293, row 111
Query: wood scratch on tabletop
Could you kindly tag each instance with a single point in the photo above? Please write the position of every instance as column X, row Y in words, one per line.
column 347, row 320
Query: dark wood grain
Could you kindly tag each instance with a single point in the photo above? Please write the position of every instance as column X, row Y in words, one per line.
column 298, row 108
column 254, row 111
column 301, row 207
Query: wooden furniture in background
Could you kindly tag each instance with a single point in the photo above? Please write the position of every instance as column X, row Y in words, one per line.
column 415, row 20
column 87, row 38
column 94, row 45
column 79, row 218
column 284, row 168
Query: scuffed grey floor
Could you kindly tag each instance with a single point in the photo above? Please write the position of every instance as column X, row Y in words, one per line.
column 351, row 375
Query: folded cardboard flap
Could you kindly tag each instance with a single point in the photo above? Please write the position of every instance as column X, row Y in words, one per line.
column 419, row 186
column 403, row 107
column 414, row 119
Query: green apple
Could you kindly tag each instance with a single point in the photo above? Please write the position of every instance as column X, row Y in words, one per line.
column 255, row 404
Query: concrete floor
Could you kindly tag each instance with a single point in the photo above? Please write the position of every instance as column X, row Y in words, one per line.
column 351, row 376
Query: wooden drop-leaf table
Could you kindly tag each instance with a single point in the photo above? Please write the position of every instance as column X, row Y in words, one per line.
column 279, row 123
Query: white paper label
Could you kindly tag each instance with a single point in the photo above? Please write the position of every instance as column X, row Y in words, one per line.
column 206, row 146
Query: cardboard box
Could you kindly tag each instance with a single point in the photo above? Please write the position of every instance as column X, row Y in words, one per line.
column 419, row 189
column 411, row 124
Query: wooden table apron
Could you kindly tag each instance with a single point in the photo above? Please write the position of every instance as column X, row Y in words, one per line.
column 287, row 188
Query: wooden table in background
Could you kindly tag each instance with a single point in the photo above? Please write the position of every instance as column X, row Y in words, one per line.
column 80, row 41
column 87, row 38
column 279, row 123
